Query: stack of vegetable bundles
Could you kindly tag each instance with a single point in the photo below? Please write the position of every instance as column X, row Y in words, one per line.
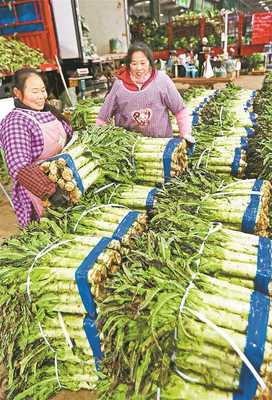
column 242, row 205
column 55, row 278
column 259, row 152
column 222, row 139
column 194, row 104
column 85, row 113
column 14, row 55
column 108, row 154
column 192, row 297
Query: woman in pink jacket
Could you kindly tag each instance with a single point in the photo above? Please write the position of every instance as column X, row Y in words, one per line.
column 141, row 98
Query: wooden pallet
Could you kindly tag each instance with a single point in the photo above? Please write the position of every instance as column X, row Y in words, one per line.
column 207, row 82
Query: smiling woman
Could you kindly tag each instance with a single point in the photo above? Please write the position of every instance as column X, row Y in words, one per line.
column 32, row 131
column 31, row 92
column 141, row 98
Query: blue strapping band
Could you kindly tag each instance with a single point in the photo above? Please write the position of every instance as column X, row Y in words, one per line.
column 250, row 132
column 70, row 162
column 92, row 334
column 264, row 265
column 191, row 149
column 255, row 345
column 251, row 212
column 249, row 103
column 150, row 199
column 253, row 118
column 236, row 162
column 195, row 119
column 167, row 157
column 81, row 276
column 125, row 224
column 244, row 143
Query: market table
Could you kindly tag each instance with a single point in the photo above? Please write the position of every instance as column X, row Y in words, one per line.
column 207, row 82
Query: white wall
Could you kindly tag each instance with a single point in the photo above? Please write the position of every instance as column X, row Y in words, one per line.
column 106, row 20
column 6, row 105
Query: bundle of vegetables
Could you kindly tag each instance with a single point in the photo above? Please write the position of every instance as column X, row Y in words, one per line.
column 156, row 319
column 136, row 197
column 194, row 100
column 35, row 363
column 14, row 55
column 105, row 220
column 221, row 150
column 222, row 138
column 217, row 112
column 240, row 107
column 85, row 113
column 259, row 151
column 159, row 159
column 44, row 275
column 89, row 160
column 191, row 93
column 242, row 205
column 131, row 158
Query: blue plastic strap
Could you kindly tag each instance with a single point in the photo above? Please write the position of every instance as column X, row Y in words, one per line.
column 264, row 265
column 70, row 162
column 255, row 345
column 167, row 157
column 92, row 334
column 81, row 276
column 125, row 224
column 236, row 162
column 244, row 143
column 150, row 199
column 253, row 118
column 249, row 103
column 195, row 119
column 250, row 132
column 191, row 149
column 251, row 212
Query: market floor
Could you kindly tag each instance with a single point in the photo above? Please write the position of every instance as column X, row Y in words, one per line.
column 8, row 224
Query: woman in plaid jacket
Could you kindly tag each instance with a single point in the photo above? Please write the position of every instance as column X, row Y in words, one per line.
column 32, row 131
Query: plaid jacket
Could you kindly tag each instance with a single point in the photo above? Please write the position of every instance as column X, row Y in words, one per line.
column 22, row 141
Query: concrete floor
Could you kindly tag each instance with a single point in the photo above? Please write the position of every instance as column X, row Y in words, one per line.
column 247, row 82
column 8, row 226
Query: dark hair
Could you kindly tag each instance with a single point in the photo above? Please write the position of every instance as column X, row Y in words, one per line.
column 139, row 46
column 20, row 77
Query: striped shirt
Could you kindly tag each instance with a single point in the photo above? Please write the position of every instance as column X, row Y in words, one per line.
column 22, row 141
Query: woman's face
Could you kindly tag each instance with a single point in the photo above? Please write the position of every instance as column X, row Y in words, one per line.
column 139, row 65
column 34, row 94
